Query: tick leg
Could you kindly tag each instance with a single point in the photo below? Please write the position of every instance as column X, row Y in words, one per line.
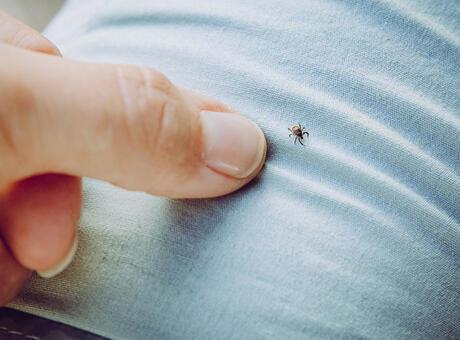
column 290, row 135
column 306, row 133
column 300, row 142
column 295, row 140
column 290, row 129
column 300, row 126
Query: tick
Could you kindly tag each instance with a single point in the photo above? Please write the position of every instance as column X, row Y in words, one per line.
column 298, row 131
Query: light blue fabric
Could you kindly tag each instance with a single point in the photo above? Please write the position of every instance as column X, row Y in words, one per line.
column 356, row 235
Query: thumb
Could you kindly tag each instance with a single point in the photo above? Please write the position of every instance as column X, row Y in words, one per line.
column 127, row 125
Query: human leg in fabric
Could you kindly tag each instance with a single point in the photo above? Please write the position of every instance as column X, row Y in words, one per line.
column 354, row 235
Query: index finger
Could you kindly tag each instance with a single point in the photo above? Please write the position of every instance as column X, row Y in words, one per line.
column 15, row 33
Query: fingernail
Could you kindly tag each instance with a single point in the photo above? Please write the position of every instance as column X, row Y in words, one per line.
column 232, row 144
column 49, row 273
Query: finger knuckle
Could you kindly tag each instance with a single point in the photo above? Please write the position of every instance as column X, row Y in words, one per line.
column 150, row 109
column 158, row 80
column 159, row 122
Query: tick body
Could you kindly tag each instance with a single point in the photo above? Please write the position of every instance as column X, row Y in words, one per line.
column 298, row 131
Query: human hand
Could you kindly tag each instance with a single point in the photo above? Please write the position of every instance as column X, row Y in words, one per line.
column 131, row 126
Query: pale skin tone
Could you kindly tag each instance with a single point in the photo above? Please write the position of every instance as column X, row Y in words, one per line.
column 62, row 119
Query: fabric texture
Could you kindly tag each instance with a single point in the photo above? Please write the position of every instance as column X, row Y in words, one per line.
column 356, row 235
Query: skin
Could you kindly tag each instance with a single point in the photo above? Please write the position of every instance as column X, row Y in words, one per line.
column 56, row 126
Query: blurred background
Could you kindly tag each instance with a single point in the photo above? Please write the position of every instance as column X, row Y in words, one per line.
column 35, row 13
